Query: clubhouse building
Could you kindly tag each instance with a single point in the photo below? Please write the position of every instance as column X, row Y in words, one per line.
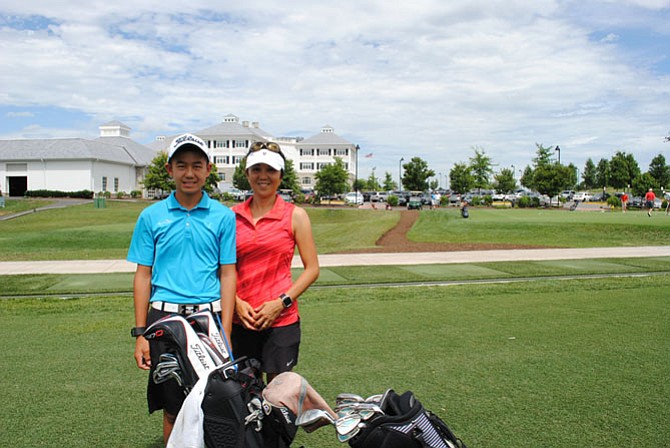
column 115, row 163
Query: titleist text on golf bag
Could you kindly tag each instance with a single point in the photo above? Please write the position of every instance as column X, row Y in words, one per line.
column 405, row 424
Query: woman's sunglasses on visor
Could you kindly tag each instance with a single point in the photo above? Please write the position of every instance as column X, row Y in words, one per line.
column 270, row 146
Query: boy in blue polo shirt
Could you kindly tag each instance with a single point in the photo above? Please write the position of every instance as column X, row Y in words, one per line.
column 184, row 247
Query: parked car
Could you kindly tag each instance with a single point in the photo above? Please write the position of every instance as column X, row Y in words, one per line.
column 600, row 197
column 581, row 196
column 567, row 194
column 308, row 193
column 286, row 195
column 353, row 198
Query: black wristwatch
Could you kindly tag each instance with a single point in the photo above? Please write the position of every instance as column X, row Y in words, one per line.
column 286, row 300
column 137, row 331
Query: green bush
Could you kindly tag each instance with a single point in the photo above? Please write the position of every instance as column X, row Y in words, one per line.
column 524, row 202
column 135, row 194
column 81, row 194
column 392, row 200
column 120, row 195
column 488, row 200
column 614, row 201
column 226, row 197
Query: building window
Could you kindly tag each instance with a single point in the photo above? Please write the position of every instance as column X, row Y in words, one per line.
column 116, row 184
column 342, row 152
column 221, row 160
column 306, row 166
column 323, row 152
column 307, row 152
column 222, row 175
column 236, row 159
column 104, row 183
column 321, row 165
column 220, row 144
column 240, row 144
column 306, row 181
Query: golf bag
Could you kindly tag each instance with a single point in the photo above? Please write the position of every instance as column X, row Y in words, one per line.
column 405, row 423
column 224, row 406
column 464, row 211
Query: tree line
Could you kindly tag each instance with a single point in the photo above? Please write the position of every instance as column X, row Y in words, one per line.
column 545, row 175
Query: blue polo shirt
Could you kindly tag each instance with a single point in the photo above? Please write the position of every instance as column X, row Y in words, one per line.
column 184, row 249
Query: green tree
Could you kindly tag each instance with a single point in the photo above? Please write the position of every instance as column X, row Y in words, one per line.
column 157, row 177
column 359, row 185
column 527, row 177
column 289, row 180
column 551, row 179
column 239, row 177
column 480, row 167
column 543, row 157
column 603, row 173
column 589, row 175
column 504, row 181
column 372, row 183
column 642, row 183
column 388, row 183
column 461, row 179
column 623, row 169
column 415, row 177
column 660, row 171
column 332, row 179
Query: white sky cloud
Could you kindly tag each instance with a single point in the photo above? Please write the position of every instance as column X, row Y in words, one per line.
column 431, row 79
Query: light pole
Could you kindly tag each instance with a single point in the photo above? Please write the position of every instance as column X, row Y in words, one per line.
column 513, row 175
column 559, row 154
column 355, row 185
column 400, row 173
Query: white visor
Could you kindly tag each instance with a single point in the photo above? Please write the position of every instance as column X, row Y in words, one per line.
column 267, row 157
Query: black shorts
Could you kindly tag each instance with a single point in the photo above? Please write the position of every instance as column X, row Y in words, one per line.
column 276, row 348
column 168, row 395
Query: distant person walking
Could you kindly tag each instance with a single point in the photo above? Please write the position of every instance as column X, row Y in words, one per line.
column 649, row 198
column 624, row 202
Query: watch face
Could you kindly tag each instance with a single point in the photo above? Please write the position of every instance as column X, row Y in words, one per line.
column 286, row 300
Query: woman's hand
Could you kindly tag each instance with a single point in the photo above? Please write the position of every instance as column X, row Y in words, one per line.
column 267, row 313
column 246, row 314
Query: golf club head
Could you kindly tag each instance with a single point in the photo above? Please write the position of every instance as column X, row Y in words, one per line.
column 346, row 424
column 313, row 419
column 352, row 433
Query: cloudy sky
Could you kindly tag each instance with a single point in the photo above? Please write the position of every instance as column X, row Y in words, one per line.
column 427, row 78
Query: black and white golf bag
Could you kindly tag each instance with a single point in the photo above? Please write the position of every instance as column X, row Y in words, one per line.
column 224, row 407
column 405, row 423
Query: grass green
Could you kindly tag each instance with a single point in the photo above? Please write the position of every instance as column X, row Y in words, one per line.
column 84, row 232
column 530, row 364
column 60, row 285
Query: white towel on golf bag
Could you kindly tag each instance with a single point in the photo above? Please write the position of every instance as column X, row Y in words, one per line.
column 188, row 430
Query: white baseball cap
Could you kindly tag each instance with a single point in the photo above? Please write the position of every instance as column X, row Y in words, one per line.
column 188, row 139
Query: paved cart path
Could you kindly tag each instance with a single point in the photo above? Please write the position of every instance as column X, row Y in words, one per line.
column 369, row 259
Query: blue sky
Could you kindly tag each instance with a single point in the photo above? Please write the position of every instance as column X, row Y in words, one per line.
column 432, row 79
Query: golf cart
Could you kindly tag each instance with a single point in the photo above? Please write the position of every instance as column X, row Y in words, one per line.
column 414, row 203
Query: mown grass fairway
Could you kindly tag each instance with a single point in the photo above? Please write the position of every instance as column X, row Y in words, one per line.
column 84, row 232
column 553, row 363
